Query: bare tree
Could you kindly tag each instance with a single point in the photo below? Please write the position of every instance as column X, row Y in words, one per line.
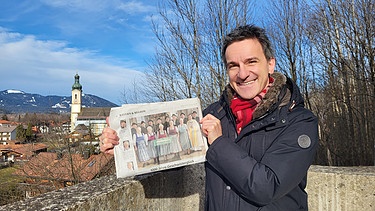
column 327, row 47
column 187, row 62
column 343, row 34
column 294, row 52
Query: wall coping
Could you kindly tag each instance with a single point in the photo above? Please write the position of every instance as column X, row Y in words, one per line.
column 181, row 188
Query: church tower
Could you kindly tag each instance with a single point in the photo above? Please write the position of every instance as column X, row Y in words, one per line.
column 76, row 102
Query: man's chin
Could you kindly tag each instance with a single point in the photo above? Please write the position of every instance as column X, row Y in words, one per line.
column 246, row 97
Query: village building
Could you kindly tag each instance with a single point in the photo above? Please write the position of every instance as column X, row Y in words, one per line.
column 7, row 132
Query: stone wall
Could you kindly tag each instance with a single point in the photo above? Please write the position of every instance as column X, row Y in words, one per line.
column 341, row 188
column 329, row 188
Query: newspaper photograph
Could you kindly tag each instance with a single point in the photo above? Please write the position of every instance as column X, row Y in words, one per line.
column 157, row 136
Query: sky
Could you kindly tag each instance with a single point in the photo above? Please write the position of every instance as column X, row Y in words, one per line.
column 44, row 43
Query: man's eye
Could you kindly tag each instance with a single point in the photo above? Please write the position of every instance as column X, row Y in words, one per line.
column 251, row 62
column 232, row 67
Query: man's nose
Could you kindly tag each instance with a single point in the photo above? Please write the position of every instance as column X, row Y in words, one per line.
column 242, row 72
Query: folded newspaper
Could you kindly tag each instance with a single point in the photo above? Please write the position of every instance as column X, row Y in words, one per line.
column 157, row 136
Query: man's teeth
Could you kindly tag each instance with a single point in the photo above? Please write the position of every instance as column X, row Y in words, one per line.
column 247, row 83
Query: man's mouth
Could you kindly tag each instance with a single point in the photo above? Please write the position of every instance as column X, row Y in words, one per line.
column 246, row 82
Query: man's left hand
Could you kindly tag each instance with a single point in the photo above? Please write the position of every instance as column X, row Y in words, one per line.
column 211, row 128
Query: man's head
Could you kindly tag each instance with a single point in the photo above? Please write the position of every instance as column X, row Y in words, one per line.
column 122, row 123
column 174, row 117
column 126, row 144
column 134, row 125
column 249, row 59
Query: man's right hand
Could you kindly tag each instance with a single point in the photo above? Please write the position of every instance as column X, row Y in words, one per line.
column 108, row 140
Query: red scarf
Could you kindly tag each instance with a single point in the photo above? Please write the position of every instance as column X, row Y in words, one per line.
column 243, row 109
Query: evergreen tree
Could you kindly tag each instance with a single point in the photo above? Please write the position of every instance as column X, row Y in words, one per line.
column 5, row 117
column 29, row 132
column 20, row 133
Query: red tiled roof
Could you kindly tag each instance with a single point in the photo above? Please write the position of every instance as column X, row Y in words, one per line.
column 27, row 150
column 4, row 121
column 47, row 166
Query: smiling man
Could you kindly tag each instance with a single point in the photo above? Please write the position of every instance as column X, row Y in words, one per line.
column 262, row 139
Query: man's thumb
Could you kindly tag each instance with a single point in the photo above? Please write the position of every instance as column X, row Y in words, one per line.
column 107, row 121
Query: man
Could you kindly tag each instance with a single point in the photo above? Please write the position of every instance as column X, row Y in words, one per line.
column 133, row 128
column 261, row 138
column 143, row 127
column 195, row 116
column 123, row 131
column 175, row 120
column 182, row 116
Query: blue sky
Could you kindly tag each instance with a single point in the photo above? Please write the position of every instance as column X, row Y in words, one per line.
column 44, row 43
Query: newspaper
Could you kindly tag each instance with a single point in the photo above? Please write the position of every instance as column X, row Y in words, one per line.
column 157, row 136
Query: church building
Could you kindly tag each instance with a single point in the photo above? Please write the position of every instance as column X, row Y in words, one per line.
column 83, row 118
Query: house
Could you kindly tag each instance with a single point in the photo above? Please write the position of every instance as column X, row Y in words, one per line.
column 12, row 152
column 5, row 122
column 7, row 132
column 51, row 171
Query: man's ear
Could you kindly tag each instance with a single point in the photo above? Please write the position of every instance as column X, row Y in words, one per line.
column 271, row 65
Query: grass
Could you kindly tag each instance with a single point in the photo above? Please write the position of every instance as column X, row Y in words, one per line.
column 6, row 175
column 8, row 186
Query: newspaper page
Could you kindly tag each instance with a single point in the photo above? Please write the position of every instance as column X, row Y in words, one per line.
column 157, row 136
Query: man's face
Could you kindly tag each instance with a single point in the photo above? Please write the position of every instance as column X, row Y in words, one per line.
column 248, row 67
column 123, row 124
column 126, row 145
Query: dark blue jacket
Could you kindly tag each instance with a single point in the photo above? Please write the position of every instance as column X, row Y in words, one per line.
column 265, row 166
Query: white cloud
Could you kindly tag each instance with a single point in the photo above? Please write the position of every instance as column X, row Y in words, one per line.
column 136, row 7
column 82, row 5
column 48, row 67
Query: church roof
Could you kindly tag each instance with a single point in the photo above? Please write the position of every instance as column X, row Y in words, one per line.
column 94, row 113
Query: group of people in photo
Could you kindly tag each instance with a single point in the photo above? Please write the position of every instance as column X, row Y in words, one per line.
column 163, row 138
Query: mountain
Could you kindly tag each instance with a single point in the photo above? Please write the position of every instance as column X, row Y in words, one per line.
column 15, row 101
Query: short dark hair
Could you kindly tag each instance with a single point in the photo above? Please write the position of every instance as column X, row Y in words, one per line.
column 248, row 32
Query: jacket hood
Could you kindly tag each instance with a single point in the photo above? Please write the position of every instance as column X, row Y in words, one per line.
column 282, row 92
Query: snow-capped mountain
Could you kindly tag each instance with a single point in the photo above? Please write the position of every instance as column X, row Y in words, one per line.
column 16, row 101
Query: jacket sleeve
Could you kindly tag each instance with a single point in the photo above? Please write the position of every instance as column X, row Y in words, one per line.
column 282, row 167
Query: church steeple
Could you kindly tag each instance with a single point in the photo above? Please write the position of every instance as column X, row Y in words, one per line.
column 76, row 84
column 76, row 105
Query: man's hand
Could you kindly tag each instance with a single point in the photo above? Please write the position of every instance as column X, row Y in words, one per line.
column 211, row 128
column 108, row 140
